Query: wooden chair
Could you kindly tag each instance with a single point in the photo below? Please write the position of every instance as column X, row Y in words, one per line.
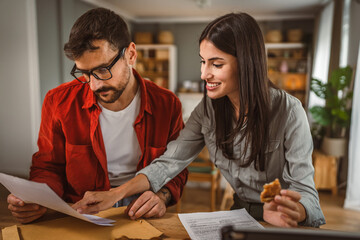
column 203, row 170
column 227, row 198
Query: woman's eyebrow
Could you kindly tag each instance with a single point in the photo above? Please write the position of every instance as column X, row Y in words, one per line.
column 213, row 58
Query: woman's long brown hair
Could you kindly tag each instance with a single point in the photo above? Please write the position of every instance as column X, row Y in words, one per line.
column 238, row 34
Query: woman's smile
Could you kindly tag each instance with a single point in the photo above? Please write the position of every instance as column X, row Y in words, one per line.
column 212, row 86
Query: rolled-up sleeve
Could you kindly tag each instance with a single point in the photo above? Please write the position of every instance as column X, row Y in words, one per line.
column 179, row 153
column 299, row 171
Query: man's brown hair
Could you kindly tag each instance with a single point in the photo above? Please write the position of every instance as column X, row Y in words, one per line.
column 96, row 24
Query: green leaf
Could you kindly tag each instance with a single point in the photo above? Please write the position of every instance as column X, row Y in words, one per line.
column 341, row 78
column 335, row 114
column 320, row 115
column 318, row 88
column 340, row 114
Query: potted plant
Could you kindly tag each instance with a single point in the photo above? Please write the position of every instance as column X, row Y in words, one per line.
column 335, row 116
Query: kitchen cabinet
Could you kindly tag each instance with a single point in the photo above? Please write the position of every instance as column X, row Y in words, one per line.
column 289, row 68
column 157, row 62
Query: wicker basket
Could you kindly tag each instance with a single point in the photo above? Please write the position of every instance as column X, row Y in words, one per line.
column 166, row 37
column 294, row 35
column 143, row 38
column 274, row 36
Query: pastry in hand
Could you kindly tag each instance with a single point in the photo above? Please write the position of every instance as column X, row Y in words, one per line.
column 270, row 191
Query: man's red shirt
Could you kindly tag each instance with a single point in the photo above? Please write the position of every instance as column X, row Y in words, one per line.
column 72, row 158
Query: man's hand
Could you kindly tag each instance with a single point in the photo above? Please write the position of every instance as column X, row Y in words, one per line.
column 149, row 204
column 23, row 212
column 285, row 210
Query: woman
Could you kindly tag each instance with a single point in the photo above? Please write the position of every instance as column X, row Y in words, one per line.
column 253, row 131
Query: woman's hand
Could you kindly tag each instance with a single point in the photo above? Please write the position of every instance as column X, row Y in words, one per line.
column 285, row 210
column 94, row 202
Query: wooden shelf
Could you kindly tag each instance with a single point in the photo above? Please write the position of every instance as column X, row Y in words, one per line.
column 284, row 45
column 157, row 62
column 286, row 58
column 286, row 73
column 288, row 65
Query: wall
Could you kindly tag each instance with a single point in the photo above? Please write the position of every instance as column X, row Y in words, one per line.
column 19, row 94
column 48, row 23
column 54, row 21
column 186, row 37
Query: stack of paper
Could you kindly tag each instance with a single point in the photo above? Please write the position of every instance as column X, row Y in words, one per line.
column 204, row 226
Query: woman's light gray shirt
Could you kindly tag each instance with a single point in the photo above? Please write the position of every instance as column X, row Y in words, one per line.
column 289, row 155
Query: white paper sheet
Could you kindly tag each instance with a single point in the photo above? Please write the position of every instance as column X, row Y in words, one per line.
column 204, row 226
column 42, row 194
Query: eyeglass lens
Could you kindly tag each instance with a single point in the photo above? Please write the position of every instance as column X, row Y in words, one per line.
column 100, row 73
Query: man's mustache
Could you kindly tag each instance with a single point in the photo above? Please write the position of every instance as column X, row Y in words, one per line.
column 104, row 89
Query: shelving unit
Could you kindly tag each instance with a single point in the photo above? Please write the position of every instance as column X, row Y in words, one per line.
column 157, row 62
column 288, row 68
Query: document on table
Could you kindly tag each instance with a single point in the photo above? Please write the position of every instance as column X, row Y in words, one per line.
column 204, row 226
column 42, row 194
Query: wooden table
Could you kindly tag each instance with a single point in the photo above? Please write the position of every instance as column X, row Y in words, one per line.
column 169, row 224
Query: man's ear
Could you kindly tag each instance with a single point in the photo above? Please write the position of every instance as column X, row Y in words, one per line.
column 132, row 53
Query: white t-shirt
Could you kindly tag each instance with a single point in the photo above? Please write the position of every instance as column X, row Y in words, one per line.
column 121, row 144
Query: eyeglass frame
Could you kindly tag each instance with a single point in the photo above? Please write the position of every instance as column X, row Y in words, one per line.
column 91, row 72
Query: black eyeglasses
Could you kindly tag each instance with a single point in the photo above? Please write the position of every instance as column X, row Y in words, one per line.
column 100, row 73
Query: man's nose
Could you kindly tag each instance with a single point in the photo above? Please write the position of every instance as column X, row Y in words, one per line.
column 95, row 84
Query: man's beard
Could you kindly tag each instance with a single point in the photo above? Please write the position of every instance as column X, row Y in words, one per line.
column 115, row 93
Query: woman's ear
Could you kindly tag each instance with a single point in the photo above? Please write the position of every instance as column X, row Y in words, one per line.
column 132, row 53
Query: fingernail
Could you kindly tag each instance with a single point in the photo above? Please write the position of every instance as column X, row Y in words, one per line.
column 277, row 197
column 283, row 191
column 131, row 213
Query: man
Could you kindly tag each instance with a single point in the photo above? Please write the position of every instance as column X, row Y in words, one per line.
column 98, row 130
